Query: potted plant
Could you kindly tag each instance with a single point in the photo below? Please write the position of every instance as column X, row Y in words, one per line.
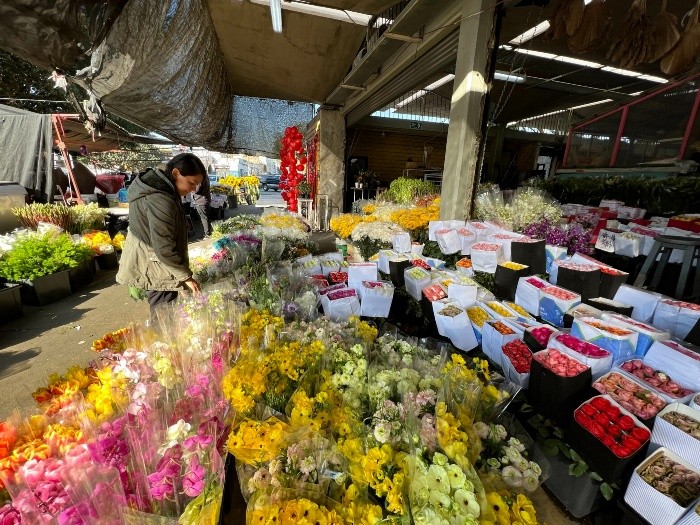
column 41, row 263
column 304, row 189
column 10, row 302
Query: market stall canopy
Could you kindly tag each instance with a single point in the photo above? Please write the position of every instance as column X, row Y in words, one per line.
column 26, row 139
column 185, row 67
column 111, row 138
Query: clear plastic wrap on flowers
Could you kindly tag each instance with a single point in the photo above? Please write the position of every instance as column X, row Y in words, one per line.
column 287, row 505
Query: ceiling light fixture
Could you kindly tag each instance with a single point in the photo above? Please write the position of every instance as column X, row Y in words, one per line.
column 350, row 17
column 418, row 94
column 530, row 33
column 652, row 78
column 441, row 82
column 623, row 72
column 533, row 53
column 528, row 119
column 508, row 77
column 276, row 14
column 578, row 62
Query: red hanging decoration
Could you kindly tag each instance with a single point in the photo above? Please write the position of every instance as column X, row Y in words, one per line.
column 292, row 166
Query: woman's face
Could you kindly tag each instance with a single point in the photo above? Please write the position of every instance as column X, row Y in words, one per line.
column 185, row 184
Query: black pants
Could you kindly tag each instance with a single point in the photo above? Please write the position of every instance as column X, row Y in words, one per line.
column 203, row 211
column 158, row 297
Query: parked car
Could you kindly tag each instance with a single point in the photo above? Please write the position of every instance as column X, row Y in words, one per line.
column 270, row 182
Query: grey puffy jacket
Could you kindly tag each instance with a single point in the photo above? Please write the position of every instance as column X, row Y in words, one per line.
column 155, row 251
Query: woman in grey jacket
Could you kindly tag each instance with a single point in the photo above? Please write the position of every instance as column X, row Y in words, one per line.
column 155, row 256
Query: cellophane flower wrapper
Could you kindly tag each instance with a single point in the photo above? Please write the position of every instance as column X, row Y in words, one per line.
column 438, row 488
column 287, row 505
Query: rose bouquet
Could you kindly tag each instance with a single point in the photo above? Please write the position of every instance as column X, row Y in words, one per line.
column 560, row 363
column 598, row 359
column 642, row 402
column 621, row 433
column 656, row 379
column 537, row 337
column 672, row 479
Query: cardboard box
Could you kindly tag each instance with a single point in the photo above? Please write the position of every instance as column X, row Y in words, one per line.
column 620, row 367
column 671, row 437
column 531, row 253
column 376, row 298
column 649, row 503
column 492, row 340
column 598, row 456
column 644, row 302
column 506, row 280
column 647, row 333
column 555, row 396
column 527, row 293
column 608, row 305
column 676, row 317
column 555, row 302
column 415, row 279
column 598, row 332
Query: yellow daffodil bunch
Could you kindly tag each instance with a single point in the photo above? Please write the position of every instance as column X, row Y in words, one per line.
column 103, row 397
column 313, row 412
column 364, row 330
column 237, row 182
column 283, row 221
column 245, row 384
column 255, row 324
column 257, row 441
column 344, row 224
column 417, row 218
column 297, row 511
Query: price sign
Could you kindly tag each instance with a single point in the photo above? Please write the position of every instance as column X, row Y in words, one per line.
column 606, row 241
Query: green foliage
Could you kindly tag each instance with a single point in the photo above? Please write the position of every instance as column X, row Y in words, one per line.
column 658, row 195
column 432, row 249
column 38, row 255
column 74, row 219
column 404, row 190
column 368, row 247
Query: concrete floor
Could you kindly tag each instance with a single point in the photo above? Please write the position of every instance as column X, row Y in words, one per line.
column 52, row 338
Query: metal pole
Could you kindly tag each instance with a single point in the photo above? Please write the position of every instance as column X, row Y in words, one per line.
column 618, row 137
column 689, row 127
column 60, row 134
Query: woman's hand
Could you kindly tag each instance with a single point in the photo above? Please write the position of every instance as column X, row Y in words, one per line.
column 193, row 285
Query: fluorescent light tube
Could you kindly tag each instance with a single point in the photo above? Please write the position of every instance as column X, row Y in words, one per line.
column 530, row 33
column 441, row 82
column 508, row 77
column 276, row 14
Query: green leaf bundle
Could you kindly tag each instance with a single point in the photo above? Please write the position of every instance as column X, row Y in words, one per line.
column 38, row 255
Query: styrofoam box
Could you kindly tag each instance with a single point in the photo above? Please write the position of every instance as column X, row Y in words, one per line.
column 692, row 517
column 669, row 399
column 528, row 296
column 682, row 364
column 673, row 438
column 649, row 503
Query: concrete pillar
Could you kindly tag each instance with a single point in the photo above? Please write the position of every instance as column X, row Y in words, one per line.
column 476, row 34
column 331, row 156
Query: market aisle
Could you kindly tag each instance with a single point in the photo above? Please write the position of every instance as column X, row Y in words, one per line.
column 51, row 338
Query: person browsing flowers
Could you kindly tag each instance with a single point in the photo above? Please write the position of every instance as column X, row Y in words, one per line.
column 155, row 256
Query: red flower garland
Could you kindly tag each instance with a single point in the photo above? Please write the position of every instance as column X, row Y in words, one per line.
column 293, row 165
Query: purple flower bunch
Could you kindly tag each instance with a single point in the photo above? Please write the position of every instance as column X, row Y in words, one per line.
column 575, row 238
column 163, row 481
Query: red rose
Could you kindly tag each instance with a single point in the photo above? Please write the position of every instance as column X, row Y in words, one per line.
column 622, row 451
column 589, row 410
column 631, row 443
column 640, row 434
column 597, row 430
column 603, row 419
column 582, row 419
column 613, row 412
column 626, row 423
column 614, row 430
column 600, row 403
column 608, row 441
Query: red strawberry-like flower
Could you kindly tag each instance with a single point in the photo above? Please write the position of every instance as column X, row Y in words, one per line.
column 626, row 423
column 614, row 430
column 589, row 410
column 602, row 419
column 582, row 419
column 622, row 452
column 597, row 430
column 600, row 403
column 640, row 434
column 613, row 412
column 608, row 441
column 631, row 443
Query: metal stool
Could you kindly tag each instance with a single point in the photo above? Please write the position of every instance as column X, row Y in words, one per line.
column 664, row 246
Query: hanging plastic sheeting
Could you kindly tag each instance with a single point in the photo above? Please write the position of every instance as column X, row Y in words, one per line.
column 160, row 66
column 55, row 33
column 26, row 140
column 258, row 123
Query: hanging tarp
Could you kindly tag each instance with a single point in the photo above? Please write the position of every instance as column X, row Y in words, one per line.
column 26, row 146
column 55, row 33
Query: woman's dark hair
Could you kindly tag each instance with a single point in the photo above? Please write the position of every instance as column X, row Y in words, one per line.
column 188, row 164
